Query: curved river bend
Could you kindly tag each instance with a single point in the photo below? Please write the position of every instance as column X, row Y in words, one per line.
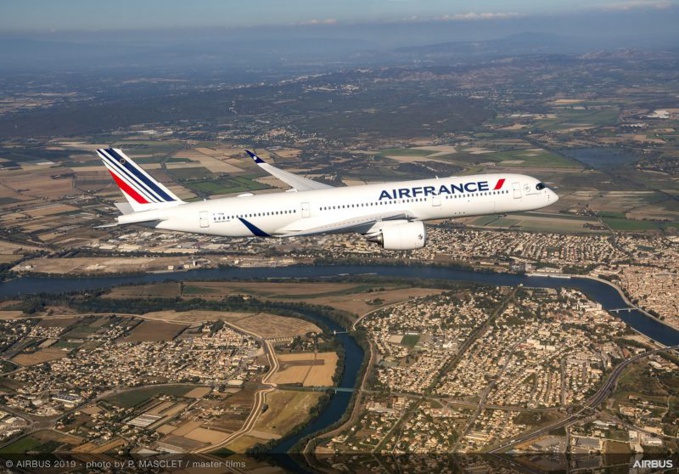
column 605, row 294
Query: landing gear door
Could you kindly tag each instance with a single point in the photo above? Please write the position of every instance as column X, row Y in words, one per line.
column 306, row 210
column 204, row 221
column 516, row 188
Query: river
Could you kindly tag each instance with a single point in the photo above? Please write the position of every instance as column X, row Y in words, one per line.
column 605, row 294
column 596, row 290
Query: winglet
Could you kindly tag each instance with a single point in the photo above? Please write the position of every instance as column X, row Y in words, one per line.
column 297, row 182
column 257, row 159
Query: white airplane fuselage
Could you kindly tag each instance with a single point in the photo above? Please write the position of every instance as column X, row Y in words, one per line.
column 294, row 213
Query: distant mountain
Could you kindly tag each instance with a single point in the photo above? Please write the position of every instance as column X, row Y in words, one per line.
column 519, row 44
column 25, row 54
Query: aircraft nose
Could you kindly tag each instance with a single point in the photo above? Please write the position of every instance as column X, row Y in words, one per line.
column 553, row 196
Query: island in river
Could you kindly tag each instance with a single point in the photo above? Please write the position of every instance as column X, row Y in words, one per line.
column 530, row 352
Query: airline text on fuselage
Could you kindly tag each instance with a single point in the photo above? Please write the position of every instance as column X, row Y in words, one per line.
column 453, row 188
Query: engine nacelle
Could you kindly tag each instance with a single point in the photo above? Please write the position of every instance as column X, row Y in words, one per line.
column 405, row 236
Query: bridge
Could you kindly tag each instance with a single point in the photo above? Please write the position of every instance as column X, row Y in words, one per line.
column 620, row 310
column 334, row 389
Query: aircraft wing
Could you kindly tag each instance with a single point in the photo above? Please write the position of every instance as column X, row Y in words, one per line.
column 297, row 182
column 360, row 224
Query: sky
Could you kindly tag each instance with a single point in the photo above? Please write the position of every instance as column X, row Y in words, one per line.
column 45, row 16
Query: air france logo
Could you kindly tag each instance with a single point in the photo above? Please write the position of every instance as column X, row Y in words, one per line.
column 453, row 188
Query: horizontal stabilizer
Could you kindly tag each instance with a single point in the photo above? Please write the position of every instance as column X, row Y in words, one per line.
column 124, row 207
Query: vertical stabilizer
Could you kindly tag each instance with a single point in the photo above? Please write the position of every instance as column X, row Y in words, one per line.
column 141, row 191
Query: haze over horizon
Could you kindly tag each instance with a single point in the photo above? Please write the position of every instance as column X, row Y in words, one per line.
column 80, row 34
column 85, row 15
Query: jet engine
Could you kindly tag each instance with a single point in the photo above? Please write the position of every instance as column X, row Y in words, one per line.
column 400, row 236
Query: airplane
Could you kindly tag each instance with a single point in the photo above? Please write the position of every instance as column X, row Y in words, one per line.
column 390, row 214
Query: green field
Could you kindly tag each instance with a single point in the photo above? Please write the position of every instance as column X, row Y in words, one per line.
column 145, row 147
column 534, row 159
column 227, row 185
column 81, row 329
column 485, row 220
column 148, row 160
column 630, row 225
column 505, row 222
column 379, row 173
column 571, row 118
column 405, row 152
column 543, row 222
column 21, row 445
column 410, row 340
column 78, row 164
column 8, row 200
column 160, row 159
column 178, row 160
column 66, row 345
column 565, row 226
column 612, row 214
column 7, row 366
column 197, row 290
column 187, row 174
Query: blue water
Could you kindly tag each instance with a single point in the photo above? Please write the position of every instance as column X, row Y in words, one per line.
column 354, row 354
column 601, row 292
column 353, row 357
column 600, row 157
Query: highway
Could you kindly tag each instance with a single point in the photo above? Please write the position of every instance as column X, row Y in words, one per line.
column 593, row 402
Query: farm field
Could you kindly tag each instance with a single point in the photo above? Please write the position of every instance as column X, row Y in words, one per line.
column 108, row 265
column 355, row 298
column 262, row 324
column 270, row 325
column 39, row 356
column 308, row 369
column 154, row 331
column 205, row 157
column 58, row 321
column 22, row 445
column 287, row 409
column 158, row 290
column 135, row 397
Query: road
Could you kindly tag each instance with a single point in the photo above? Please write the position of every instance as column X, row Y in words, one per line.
column 593, row 402
column 41, row 423
column 356, row 410
column 482, row 402
column 260, row 399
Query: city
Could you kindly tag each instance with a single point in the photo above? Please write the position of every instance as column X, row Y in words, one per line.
column 548, row 337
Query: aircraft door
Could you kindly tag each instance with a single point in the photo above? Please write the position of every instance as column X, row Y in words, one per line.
column 436, row 201
column 516, row 187
column 204, row 221
column 306, row 210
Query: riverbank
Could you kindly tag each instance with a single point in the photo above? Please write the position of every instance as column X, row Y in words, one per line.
column 607, row 294
column 627, row 301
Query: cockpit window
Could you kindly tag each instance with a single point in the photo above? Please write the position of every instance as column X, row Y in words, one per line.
column 540, row 186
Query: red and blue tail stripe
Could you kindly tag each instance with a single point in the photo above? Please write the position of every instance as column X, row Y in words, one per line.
column 132, row 180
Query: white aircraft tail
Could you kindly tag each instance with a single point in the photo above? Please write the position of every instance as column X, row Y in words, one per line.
column 143, row 193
